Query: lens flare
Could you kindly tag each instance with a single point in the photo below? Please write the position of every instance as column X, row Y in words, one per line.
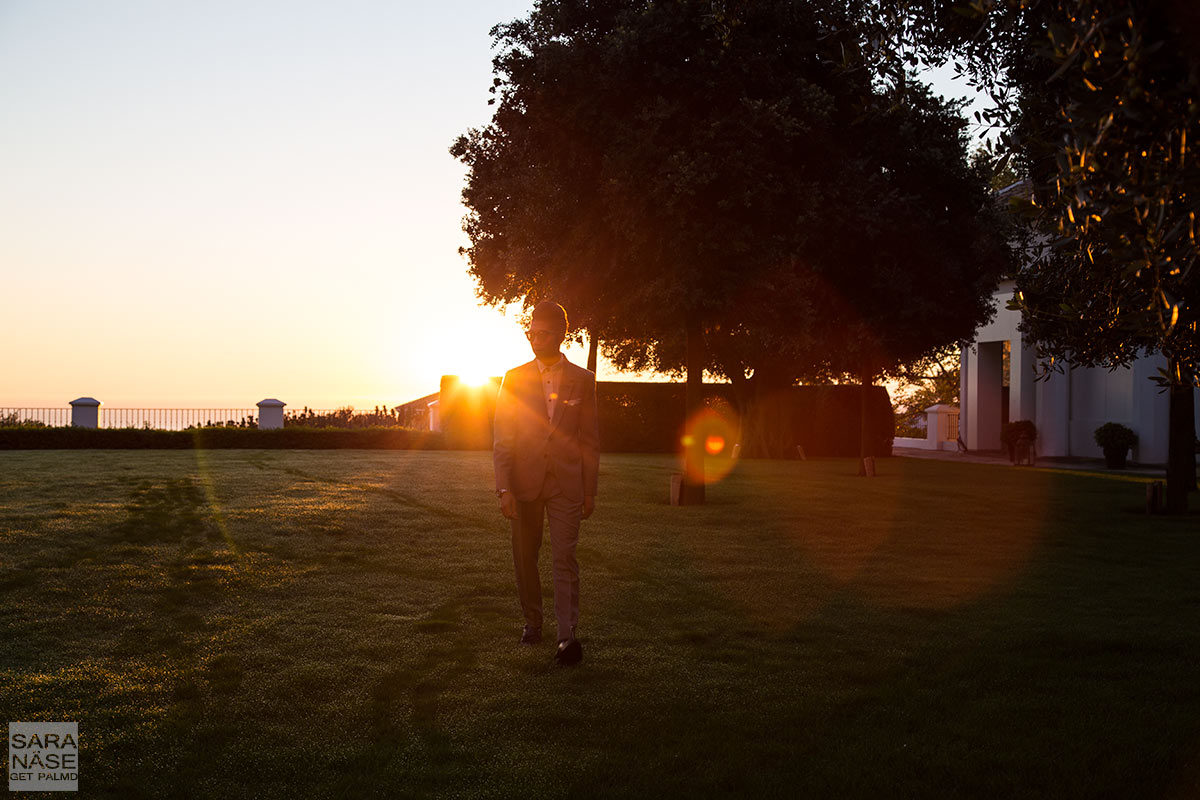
column 714, row 432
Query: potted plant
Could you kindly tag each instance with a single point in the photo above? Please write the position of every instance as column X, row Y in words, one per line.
column 1115, row 439
column 1017, row 437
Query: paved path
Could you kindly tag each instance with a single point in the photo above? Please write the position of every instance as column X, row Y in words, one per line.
column 1092, row 465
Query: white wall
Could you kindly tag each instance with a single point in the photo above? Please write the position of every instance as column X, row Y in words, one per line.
column 1071, row 407
column 1068, row 408
column 1098, row 396
column 1004, row 324
column 1150, row 412
column 1053, row 416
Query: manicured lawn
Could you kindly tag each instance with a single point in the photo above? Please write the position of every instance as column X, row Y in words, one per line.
column 344, row 624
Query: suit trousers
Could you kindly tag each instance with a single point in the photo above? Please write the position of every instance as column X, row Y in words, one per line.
column 564, row 516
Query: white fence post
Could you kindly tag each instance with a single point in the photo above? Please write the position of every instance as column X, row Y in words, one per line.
column 270, row 414
column 85, row 412
column 942, row 426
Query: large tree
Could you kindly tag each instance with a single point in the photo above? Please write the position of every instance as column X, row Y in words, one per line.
column 712, row 189
column 906, row 252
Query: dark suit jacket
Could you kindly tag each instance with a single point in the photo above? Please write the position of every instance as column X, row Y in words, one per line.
column 527, row 444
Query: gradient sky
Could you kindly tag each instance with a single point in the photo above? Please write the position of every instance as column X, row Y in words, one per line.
column 204, row 204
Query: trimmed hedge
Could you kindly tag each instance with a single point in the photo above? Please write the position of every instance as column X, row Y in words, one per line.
column 218, row 439
column 825, row 420
column 828, row 420
column 633, row 417
column 646, row 417
column 649, row 417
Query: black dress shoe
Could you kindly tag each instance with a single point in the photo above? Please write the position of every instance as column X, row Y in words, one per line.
column 531, row 635
column 570, row 653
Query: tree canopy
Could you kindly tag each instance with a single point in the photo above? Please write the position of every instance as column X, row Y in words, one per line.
column 1107, row 138
column 1099, row 103
column 1114, row 183
column 666, row 167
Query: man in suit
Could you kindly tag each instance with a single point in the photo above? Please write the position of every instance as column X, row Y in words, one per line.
column 547, row 462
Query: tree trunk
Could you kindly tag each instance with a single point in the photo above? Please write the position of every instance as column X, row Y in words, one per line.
column 864, row 383
column 761, row 411
column 742, row 402
column 862, row 417
column 767, row 419
column 1181, row 441
column 692, row 490
column 751, row 435
column 593, row 349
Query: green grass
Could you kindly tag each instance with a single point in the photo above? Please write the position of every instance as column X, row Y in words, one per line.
column 344, row 624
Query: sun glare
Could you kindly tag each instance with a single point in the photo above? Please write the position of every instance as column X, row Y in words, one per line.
column 474, row 378
column 477, row 350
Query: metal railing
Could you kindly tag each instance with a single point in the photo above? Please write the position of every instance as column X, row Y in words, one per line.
column 951, row 428
column 49, row 417
column 176, row 419
column 167, row 419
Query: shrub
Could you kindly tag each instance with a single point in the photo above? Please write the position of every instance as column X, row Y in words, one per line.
column 14, row 420
column 912, row 426
column 1115, row 436
column 1013, row 431
column 345, row 417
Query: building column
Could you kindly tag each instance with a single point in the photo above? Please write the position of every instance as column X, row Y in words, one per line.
column 964, row 412
column 1022, row 383
column 985, row 379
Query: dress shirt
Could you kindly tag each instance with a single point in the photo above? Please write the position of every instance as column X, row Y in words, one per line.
column 551, row 381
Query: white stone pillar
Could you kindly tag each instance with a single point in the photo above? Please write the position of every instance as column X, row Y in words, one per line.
column 937, row 427
column 270, row 414
column 1022, row 386
column 1151, row 411
column 85, row 412
column 965, row 400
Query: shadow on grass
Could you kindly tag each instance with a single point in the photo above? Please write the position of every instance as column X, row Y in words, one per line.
column 1055, row 655
column 934, row 632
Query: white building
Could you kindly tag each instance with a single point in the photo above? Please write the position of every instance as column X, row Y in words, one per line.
column 996, row 385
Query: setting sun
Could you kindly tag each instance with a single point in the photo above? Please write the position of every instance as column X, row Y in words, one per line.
column 474, row 378
column 477, row 350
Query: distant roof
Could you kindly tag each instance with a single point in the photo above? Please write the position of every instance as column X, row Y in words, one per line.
column 420, row 402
